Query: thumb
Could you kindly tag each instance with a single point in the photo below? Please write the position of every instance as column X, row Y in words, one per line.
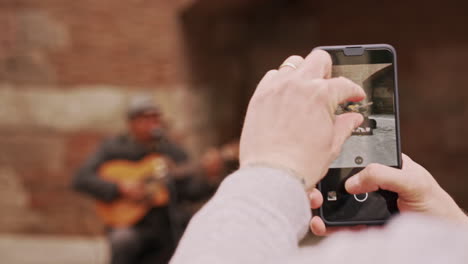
column 377, row 176
column 344, row 126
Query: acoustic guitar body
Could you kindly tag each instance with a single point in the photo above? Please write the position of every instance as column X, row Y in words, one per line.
column 150, row 172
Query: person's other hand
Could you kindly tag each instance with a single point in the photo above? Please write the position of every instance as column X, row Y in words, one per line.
column 230, row 151
column 134, row 192
column 212, row 164
column 290, row 122
column 417, row 191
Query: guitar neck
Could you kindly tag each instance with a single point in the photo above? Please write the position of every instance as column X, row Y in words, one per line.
column 185, row 170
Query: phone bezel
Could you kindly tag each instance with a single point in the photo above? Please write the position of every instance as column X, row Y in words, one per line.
column 365, row 48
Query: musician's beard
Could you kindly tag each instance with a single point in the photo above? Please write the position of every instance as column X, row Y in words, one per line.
column 157, row 134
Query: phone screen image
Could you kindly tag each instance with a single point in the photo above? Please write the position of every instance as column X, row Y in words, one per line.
column 376, row 140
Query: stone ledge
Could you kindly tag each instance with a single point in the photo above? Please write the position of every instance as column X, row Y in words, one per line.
column 98, row 109
column 19, row 249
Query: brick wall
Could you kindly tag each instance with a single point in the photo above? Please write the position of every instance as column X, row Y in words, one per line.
column 67, row 71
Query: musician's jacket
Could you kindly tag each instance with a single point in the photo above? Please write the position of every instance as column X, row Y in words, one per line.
column 158, row 220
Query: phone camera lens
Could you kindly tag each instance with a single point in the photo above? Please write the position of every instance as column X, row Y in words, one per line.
column 359, row 160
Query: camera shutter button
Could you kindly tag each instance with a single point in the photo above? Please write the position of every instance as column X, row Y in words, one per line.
column 361, row 197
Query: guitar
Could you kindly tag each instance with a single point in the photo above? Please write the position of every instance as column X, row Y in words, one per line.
column 151, row 172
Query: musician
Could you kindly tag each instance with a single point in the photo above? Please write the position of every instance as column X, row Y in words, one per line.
column 153, row 238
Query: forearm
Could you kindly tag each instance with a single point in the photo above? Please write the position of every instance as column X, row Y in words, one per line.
column 257, row 214
column 88, row 182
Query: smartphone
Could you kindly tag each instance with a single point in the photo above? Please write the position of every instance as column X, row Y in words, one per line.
column 376, row 140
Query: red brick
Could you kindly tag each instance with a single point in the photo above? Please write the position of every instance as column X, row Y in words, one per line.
column 80, row 146
column 32, row 149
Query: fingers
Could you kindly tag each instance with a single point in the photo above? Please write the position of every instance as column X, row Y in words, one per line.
column 344, row 126
column 342, row 89
column 267, row 77
column 317, row 226
column 286, row 67
column 406, row 160
column 289, row 64
column 316, row 199
column 316, row 65
column 377, row 176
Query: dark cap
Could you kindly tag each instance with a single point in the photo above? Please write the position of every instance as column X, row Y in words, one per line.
column 141, row 104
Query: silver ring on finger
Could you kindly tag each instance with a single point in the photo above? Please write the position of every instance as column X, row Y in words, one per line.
column 288, row 64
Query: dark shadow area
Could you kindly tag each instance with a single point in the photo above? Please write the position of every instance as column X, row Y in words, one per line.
column 230, row 48
column 232, row 44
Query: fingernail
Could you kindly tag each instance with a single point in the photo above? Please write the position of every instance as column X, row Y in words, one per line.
column 311, row 196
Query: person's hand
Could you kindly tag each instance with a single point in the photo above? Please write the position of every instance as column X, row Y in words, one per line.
column 134, row 192
column 290, row 122
column 212, row 164
column 230, row 151
column 417, row 191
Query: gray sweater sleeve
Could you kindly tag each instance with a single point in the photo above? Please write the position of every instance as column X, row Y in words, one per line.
column 409, row 238
column 259, row 215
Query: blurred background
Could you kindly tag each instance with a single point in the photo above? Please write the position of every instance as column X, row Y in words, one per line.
column 68, row 69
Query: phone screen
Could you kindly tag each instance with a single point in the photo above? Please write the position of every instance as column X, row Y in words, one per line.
column 376, row 140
